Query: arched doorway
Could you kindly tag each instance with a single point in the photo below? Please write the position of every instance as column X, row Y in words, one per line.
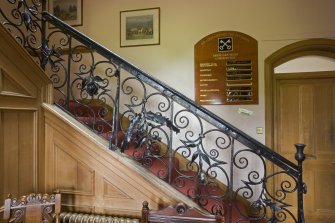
column 300, row 107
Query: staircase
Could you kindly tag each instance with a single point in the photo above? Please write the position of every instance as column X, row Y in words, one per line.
column 154, row 155
column 199, row 154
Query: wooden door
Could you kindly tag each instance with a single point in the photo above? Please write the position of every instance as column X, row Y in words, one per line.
column 305, row 113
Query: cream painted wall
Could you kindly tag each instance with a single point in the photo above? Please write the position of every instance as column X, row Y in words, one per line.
column 306, row 64
column 274, row 23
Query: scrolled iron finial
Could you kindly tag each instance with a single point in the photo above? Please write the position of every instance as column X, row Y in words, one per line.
column 181, row 208
column 145, row 205
column 300, row 156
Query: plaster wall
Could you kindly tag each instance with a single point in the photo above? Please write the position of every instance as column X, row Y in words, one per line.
column 273, row 23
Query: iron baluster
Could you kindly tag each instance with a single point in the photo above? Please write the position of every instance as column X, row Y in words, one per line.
column 68, row 76
column 170, row 145
column 300, row 157
column 116, row 111
column 43, row 37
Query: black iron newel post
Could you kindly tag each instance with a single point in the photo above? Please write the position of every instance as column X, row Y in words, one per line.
column 300, row 157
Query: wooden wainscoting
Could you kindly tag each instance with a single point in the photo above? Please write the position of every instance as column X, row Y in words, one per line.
column 23, row 89
column 94, row 179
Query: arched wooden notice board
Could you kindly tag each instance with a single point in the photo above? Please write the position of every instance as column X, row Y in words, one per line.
column 226, row 69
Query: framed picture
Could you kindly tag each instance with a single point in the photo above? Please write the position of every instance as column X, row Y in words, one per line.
column 140, row 27
column 70, row 11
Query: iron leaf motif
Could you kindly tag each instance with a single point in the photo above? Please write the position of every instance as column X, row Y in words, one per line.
column 202, row 156
column 91, row 84
column 48, row 53
column 158, row 118
column 19, row 5
column 25, row 14
column 205, row 158
column 194, row 156
column 26, row 18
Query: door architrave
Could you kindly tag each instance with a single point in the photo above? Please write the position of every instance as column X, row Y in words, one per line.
column 311, row 47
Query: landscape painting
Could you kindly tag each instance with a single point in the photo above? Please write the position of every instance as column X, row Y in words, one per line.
column 139, row 27
column 70, row 11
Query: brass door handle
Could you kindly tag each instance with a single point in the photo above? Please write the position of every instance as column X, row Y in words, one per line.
column 333, row 162
column 310, row 156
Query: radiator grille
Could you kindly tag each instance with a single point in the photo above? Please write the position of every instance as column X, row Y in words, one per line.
column 90, row 218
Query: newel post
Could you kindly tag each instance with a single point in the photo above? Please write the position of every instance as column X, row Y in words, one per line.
column 300, row 157
column 145, row 212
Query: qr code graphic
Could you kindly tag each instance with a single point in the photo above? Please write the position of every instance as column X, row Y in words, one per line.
column 225, row 44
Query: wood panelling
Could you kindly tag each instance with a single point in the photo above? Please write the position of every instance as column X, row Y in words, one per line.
column 20, row 150
column 112, row 191
column 305, row 112
column 9, row 86
column 73, row 174
column 23, row 89
column 92, row 178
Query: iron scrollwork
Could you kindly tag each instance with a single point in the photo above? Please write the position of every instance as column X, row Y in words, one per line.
column 23, row 22
column 147, row 136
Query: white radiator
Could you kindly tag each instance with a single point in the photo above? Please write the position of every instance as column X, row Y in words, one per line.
column 67, row 217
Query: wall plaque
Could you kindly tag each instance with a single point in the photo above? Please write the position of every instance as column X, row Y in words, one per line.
column 226, row 69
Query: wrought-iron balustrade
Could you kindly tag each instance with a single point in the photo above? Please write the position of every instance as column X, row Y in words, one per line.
column 200, row 154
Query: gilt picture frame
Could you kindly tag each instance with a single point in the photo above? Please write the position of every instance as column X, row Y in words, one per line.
column 140, row 27
column 70, row 11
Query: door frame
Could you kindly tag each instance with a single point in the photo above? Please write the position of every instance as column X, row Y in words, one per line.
column 311, row 47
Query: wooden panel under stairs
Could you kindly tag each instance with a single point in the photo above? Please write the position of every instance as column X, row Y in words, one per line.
column 23, row 89
column 93, row 179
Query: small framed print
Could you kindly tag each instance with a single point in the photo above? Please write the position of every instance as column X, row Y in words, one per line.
column 140, row 27
column 70, row 11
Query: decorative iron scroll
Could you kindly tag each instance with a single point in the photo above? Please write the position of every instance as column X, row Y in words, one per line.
column 23, row 21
